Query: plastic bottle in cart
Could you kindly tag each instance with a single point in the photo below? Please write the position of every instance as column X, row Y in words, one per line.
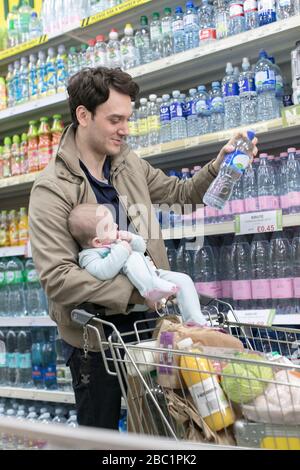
column 260, row 272
column 15, row 283
column 230, row 89
column 165, row 120
column 56, row 132
column 236, row 17
column 295, row 58
column 61, row 69
column 143, row 123
column 178, row 31
column 10, row 86
column 216, row 108
column 296, row 269
column 72, row 61
column 281, row 268
column 265, row 82
column 142, row 42
column 35, row 297
column 234, row 165
column 203, row 110
column 284, row 9
column 24, row 371
column 266, row 183
column 127, row 48
column 90, row 53
column 207, row 25
column 248, row 95
column 3, row 359
column 153, row 121
column 178, row 122
column 251, row 14
column 241, row 284
column 191, row 26
column 200, row 377
column 15, row 156
column 266, row 11
column 113, row 50
column 205, row 271
column 293, row 182
column 11, row 351
column 221, row 19
column 42, row 74
column 279, row 86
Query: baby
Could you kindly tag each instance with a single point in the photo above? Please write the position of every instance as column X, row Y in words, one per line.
column 107, row 251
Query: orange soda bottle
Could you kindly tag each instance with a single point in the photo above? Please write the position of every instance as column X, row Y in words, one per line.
column 33, row 147
column 15, row 156
column 13, row 229
column 23, row 226
column 57, row 130
column 45, row 144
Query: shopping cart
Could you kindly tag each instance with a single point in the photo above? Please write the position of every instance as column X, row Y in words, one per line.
column 249, row 399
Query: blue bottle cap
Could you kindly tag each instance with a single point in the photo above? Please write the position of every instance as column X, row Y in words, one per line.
column 251, row 134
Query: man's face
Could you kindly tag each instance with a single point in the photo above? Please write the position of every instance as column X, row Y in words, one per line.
column 107, row 130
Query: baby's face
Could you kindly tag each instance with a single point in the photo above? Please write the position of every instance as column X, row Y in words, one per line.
column 107, row 229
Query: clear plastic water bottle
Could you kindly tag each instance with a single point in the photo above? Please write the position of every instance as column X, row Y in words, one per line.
column 191, row 114
column 165, row 120
column 73, row 65
column 191, row 26
column 265, row 82
column 260, row 272
column 72, row 420
column 153, row 121
column 35, row 297
column 59, row 417
column 156, row 37
column 24, row 367
column 90, row 53
column 10, row 86
column 51, row 72
column 49, row 362
column 222, row 19
column 216, row 108
column 237, row 198
column 226, row 269
column 142, row 42
column 279, row 86
column 295, row 57
column 33, row 77
column 266, row 11
column 61, row 69
column 12, row 357
column 25, row 12
column 113, row 50
column 3, row 290
column 82, row 56
column 235, row 164
column 236, row 17
column 127, row 49
column 12, row 23
column 35, row 26
column 266, row 183
column 100, row 51
column 281, row 268
column 15, row 283
column 166, row 27
column 178, row 31
column 296, row 269
column 241, row 284
column 133, row 138
column 205, row 271
column 230, row 88
column 250, row 190
column 178, row 122
column 293, row 182
column 207, row 23
column 284, row 9
column 203, row 110
column 143, row 123
column 24, row 82
column 248, row 95
column 251, row 14
column 38, row 341
column 3, row 361
column 42, row 74
column 184, row 260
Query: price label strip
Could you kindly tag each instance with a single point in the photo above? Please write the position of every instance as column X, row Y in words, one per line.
column 291, row 116
column 103, row 15
column 23, row 47
column 253, row 317
column 258, row 222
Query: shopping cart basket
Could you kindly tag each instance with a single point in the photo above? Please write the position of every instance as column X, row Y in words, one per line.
column 249, row 399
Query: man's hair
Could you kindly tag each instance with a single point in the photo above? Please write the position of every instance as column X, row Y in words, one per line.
column 90, row 87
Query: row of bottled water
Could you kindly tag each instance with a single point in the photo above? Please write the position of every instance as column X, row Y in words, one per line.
column 33, row 358
column 296, row 73
column 259, row 272
column 254, row 94
column 21, row 293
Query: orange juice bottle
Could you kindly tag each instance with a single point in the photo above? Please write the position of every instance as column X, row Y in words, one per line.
column 24, row 154
column 33, row 147
column 57, row 130
column 13, row 229
column 199, row 376
column 23, row 226
column 45, row 145
column 4, row 240
column 15, row 156
column 7, row 157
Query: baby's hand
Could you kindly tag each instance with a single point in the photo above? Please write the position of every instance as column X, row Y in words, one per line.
column 124, row 235
column 126, row 245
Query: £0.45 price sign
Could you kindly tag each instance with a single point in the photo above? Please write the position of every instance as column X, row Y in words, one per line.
column 258, row 222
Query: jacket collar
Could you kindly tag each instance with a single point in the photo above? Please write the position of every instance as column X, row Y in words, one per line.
column 68, row 152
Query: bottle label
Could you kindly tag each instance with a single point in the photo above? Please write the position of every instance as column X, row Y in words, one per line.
column 282, row 288
column 266, row 5
column 155, row 33
column 2, row 358
column 285, row 3
column 238, row 161
column 237, row 206
column 211, row 289
column 37, row 373
column 265, row 78
column 231, row 89
column 241, row 290
column 202, row 106
column 190, row 108
column 207, row 34
column 51, row 80
column 100, row 58
column 33, row 160
column 296, row 286
column 251, row 204
column 33, row 83
column 247, row 84
column 13, row 277
column 2, row 279
column 176, row 110
column 190, row 19
column 11, row 360
column 261, row 288
column 165, row 113
column 209, row 397
column 166, row 28
column 143, row 126
column 236, row 9
column 226, row 289
column 153, row 123
column 31, row 275
column 177, row 25
column 268, row 203
column 217, row 104
column 24, row 361
column 50, row 373
column 250, row 6
column 133, row 128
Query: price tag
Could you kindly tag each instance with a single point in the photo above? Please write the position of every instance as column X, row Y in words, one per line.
column 258, row 222
column 254, row 317
column 291, row 116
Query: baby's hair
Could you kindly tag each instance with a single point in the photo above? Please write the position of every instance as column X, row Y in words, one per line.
column 83, row 221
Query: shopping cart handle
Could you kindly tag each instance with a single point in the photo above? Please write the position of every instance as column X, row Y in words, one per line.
column 82, row 317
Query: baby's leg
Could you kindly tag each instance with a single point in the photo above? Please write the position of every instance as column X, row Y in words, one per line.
column 144, row 277
column 187, row 297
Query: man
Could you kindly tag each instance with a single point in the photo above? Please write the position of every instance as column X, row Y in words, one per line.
column 94, row 164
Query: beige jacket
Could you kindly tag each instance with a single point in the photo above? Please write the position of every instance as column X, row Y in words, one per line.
column 63, row 185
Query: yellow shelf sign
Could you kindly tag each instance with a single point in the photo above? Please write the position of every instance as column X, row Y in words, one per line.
column 25, row 46
column 103, row 15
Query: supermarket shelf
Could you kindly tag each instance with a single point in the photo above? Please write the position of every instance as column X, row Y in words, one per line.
column 291, row 319
column 35, row 394
column 217, row 229
column 12, row 251
column 24, row 322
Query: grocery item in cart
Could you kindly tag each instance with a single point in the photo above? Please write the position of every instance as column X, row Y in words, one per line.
column 144, row 359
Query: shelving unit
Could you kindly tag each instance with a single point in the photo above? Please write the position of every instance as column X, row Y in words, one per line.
column 36, row 394
column 24, row 322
